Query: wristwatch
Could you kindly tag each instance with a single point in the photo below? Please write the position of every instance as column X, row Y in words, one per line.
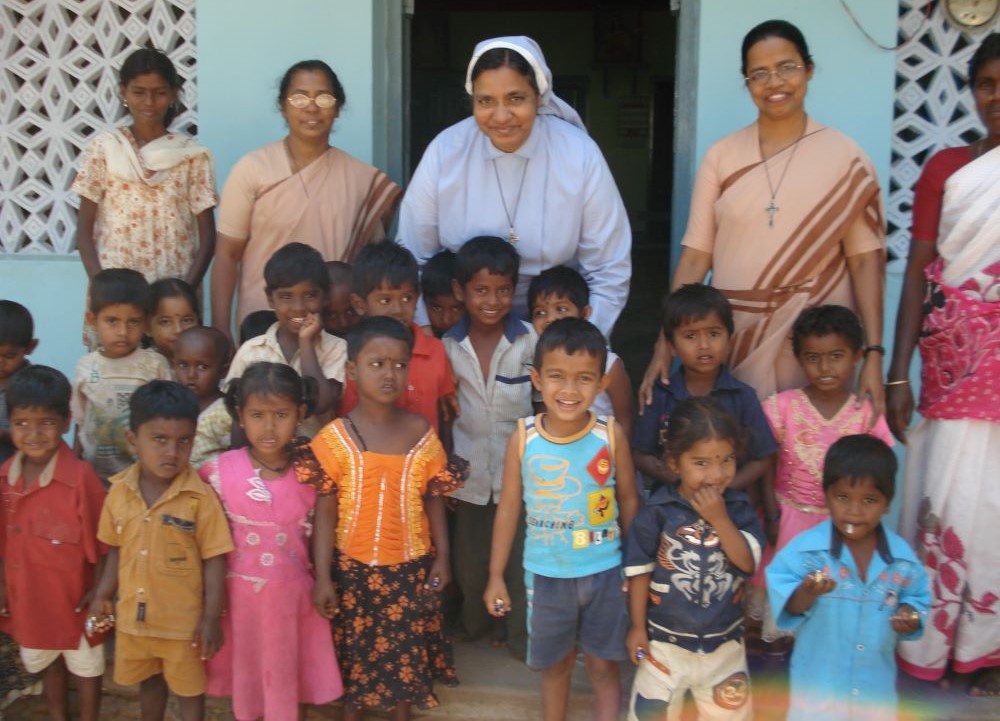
column 874, row 349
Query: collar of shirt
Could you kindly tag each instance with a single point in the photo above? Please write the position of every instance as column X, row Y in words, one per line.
column 270, row 339
column 187, row 481
column 55, row 469
column 421, row 341
column 512, row 328
column 678, row 387
column 527, row 150
column 832, row 542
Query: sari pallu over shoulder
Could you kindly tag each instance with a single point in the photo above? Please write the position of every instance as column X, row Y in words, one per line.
column 337, row 204
column 960, row 337
column 830, row 208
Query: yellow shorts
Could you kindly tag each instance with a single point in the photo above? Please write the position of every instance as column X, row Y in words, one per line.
column 140, row 657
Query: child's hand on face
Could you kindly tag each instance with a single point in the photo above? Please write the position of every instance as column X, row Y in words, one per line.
column 817, row 583
column 310, row 328
column 708, row 503
column 208, row 637
column 496, row 598
column 906, row 620
column 325, row 598
column 637, row 643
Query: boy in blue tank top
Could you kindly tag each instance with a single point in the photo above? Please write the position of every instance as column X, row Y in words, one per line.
column 573, row 473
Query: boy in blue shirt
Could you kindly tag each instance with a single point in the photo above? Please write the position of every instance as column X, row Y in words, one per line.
column 850, row 589
column 573, row 473
column 698, row 326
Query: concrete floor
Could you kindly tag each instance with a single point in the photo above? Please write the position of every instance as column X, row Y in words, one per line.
column 495, row 687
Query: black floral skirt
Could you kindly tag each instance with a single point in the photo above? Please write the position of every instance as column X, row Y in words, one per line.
column 389, row 635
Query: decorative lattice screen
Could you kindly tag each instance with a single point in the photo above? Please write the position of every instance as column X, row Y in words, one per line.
column 58, row 87
column 934, row 109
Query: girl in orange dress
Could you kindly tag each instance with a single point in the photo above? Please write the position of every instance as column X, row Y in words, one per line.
column 380, row 524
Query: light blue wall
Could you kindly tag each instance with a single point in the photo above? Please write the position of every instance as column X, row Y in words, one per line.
column 244, row 47
column 851, row 90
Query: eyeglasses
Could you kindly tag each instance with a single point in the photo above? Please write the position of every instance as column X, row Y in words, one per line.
column 785, row 71
column 301, row 100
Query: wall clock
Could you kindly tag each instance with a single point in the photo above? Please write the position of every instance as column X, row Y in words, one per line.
column 971, row 13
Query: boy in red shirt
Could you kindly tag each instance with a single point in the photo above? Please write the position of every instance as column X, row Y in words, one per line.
column 51, row 503
column 386, row 282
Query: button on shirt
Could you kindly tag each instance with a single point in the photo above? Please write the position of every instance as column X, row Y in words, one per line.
column 160, row 552
column 697, row 590
column 490, row 408
column 844, row 662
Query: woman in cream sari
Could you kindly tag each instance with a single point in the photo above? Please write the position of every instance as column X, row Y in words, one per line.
column 786, row 214
column 298, row 189
column 951, row 307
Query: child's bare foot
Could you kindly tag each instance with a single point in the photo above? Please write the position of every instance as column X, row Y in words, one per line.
column 986, row 682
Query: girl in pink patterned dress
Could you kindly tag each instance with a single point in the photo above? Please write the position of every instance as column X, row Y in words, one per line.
column 827, row 341
column 282, row 655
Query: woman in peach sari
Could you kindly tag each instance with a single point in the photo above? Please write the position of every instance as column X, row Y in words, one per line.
column 786, row 214
column 297, row 189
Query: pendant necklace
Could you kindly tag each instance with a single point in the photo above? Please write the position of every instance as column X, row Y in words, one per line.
column 772, row 208
column 511, row 233
column 273, row 469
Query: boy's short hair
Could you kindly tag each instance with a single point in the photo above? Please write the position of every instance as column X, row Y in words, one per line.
column 572, row 335
column 861, row 456
column 120, row 286
column 561, row 281
column 162, row 399
column 256, row 324
column 694, row 301
column 339, row 273
column 220, row 343
column 828, row 320
column 493, row 254
column 16, row 325
column 439, row 271
column 376, row 326
column 38, row 386
column 384, row 263
column 293, row 264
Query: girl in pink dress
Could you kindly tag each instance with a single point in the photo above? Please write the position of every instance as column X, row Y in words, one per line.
column 827, row 341
column 278, row 650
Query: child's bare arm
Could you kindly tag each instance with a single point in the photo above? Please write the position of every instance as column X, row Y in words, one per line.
column 620, row 393
column 324, row 526
column 769, row 501
column 206, row 247
column 208, row 635
column 102, row 603
column 86, row 217
column 98, row 574
column 638, row 597
column 625, row 486
column 709, row 503
column 328, row 391
column 504, row 528
column 748, row 473
column 440, row 573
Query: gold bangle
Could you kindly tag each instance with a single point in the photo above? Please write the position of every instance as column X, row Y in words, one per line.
column 897, row 383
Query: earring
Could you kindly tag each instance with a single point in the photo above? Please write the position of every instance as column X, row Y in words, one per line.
column 124, row 103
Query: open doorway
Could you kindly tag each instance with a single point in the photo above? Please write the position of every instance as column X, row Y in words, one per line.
column 615, row 63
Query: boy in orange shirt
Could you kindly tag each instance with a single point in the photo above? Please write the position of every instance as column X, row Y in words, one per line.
column 386, row 282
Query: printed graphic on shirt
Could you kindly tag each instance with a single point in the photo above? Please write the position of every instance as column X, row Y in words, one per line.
column 697, row 565
column 601, row 505
column 599, row 467
column 733, row 692
column 547, row 520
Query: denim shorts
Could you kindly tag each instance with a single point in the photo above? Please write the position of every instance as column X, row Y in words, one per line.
column 591, row 611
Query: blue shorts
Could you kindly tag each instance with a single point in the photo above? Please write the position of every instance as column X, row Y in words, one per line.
column 562, row 612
